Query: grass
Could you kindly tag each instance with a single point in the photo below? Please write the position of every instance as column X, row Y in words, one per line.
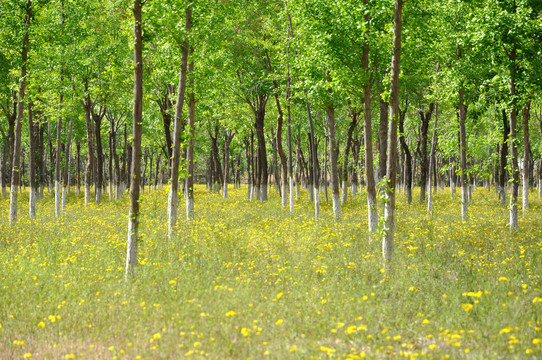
column 247, row 280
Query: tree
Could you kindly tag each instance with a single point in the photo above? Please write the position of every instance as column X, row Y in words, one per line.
column 135, row 173
column 391, row 172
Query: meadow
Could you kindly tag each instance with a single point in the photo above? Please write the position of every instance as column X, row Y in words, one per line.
column 248, row 280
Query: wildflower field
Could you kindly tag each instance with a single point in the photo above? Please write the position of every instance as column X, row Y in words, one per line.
column 249, row 280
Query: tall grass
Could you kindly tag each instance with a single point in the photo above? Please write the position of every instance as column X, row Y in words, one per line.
column 248, row 280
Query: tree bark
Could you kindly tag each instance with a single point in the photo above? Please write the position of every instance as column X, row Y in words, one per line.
column 87, row 104
column 432, row 162
column 463, row 157
column 16, row 169
column 135, row 173
column 424, row 161
column 65, row 181
column 344, row 171
column 33, row 128
column 173, row 199
column 368, row 135
column 98, row 117
column 514, row 168
column 383, row 138
column 333, row 166
column 190, row 148
column 526, row 115
column 407, row 182
column 391, row 171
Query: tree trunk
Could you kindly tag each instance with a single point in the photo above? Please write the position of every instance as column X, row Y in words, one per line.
column 15, row 173
column 87, row 104
column 503, row 159
column 368, row 136
column 391, row 171
column 383, row 138
column 514, row 169
column 78, row 167
column 424, row 161
column 333, row 167
column 33, row 128
column 173, row 198
column 67, row 166
column 408, row 156
column 226, row 162
column 526, row 115
column 463, row 157
column 190, row 148
column 98, row 117
column 344, row 171
column 432, row 162
column 135, row 173
column 58, row 173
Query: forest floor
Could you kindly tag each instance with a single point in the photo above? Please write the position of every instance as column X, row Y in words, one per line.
column 248, row 280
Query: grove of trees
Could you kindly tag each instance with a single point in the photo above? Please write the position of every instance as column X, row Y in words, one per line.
column 376, row 96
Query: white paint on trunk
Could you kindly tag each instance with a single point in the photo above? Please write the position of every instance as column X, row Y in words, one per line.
column 336, row 206
column 539, row 189
column 316, row 203
column 173, row 202
column 284, row 194
column 354, row 190
column 190, row 209
column 372, row 211
column 387, row 241
column 111, row 190
column 57, row 198
column 525, row 194
column 131, row 249
column 311, row 193
column 291, row 181
column 14, row 195
column 297, row 191
column 513, row 213
column 64, row 196
column 263, row 195
column 344, row 192
column 32, row 203
column 464, row 202
column 87, row 195
column 225, row 190
column 98, row 196
column 256, row 193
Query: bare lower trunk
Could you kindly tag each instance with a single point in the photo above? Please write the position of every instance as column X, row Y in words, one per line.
column 173, row 199
column 16, row 169
column 135, row 173
column 526, row 152
column 391, row 171
column 514, row 185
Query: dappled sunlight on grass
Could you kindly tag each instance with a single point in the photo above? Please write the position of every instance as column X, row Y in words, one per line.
column 250, row 280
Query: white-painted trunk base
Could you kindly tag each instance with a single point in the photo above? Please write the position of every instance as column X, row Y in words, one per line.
column 316, row 203
column 311, row 193
column 98, row 196
column 57, row 198
column 388, row 239
column 87, row 195
column 13, row 197
column 173, row 202
column 32, row 203
column 464, row 203
column 336, row 206
column 525, row 195
column 131, row 248
column 354, row 190
column 189, row 208
column 344, row 189
column 263, row 193
column 291, row 181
